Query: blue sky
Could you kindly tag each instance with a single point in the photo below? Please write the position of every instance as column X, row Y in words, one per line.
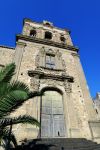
column 82, row 17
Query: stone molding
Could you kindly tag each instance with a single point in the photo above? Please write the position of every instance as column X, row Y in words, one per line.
column 21, row 43
column 55, row 76
column 46, row 42
column 59, row 62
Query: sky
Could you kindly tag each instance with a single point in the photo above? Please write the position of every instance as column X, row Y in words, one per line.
column 82, row 17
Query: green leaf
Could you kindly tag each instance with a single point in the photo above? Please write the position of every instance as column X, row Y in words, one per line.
column 21, row 119
column 16, row 85
column 11, row 102
column 4, row 136
column 12, row 96
column 7, row 72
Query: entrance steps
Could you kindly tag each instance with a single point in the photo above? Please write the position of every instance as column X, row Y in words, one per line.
column 59, row 144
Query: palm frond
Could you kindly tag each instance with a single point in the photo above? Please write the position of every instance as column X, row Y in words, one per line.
column 7, row 72
column 11, row 102
column 4, row 136
column 16, row 120
column 6, row 88
column 12, row 96
column 17, row 85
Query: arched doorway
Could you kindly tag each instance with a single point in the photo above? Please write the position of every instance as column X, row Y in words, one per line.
column 52, row 115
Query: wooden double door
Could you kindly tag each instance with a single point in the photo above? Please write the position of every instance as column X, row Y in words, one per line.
column 52, row 115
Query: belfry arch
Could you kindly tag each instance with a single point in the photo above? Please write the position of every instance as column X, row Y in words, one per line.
column 52, row 114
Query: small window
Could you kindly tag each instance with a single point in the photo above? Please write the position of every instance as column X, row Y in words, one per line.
column 48, row 35
column 62, row 38
column 50, row 61
column 33, row 33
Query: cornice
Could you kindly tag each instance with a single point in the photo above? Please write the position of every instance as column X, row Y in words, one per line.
column 41, row 23
column 21, row 43
column 62, row 77
column 7, row 47
column 47, row 42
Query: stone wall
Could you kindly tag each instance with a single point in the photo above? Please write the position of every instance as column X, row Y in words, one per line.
column 7, row 55
column 78, row 104
column 96, row 102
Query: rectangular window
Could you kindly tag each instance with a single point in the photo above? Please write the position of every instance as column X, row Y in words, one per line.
column 50, row 61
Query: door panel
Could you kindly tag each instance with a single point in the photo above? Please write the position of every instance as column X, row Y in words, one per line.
column 46, row 126
column 59, row 129
column 46, row 110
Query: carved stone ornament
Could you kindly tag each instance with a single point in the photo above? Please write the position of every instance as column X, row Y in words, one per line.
column 40, row 58
column 50, row 51
column 37, row 60
column 35, row 83
column 68, row 87
column 58, row 54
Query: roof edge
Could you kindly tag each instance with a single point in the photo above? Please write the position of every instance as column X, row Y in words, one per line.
column 29, row 20
column 3, row 46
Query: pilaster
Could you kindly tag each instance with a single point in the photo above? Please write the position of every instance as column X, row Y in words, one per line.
column 18, row 57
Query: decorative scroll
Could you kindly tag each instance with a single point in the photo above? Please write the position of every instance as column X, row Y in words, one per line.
column 68, row 87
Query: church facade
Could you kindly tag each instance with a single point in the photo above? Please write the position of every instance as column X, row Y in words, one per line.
column 47, row 61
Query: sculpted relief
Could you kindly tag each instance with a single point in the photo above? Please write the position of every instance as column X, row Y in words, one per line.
column 58, row 61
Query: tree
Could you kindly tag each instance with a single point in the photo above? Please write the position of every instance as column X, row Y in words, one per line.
column 12, row 95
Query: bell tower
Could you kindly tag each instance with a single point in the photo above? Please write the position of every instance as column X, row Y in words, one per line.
column 47, row 61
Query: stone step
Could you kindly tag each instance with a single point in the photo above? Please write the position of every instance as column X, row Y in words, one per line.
column 67, row 143
column 60, row 144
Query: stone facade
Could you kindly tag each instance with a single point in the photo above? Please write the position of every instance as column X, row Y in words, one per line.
column 96, row 101
column 46, row 60
column 7, row 55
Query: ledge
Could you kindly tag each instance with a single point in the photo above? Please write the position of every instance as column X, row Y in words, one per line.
column 52, row 69
column 47, row 42
column 41, row 74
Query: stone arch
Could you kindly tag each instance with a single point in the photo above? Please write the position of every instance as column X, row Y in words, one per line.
column 48, row 88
